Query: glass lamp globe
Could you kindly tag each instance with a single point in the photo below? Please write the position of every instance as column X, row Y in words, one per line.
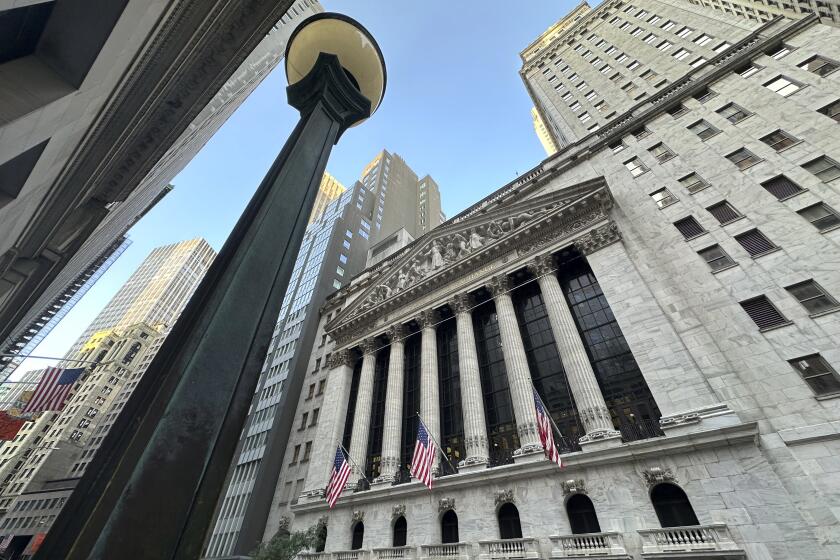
column 344, row 37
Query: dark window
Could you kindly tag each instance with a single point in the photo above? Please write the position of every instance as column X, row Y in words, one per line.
column 747, row 70
column 582, row 516
column 693, row 183
column 821, row 215
column 400, row 531
column 764, row 313
column 509, row 526
column 132, row 352
column 640, row 132
column 743, row 158
column 351, row 404
column 832, row 110
column 358, row 536
column 755, row 242
column 724, row 212
column 703, row 129
column 781, row 187
column 704, row 95
column 321, row 538
column 689, row 227
column 663, row 197
column 733, row 113
column 377, row 413
column 498, row 409
column 812, row 297
column 661, row 152
column 817, row 373
column 449, row 386
column 672, row 506
column 819, row 65
column 678, row 110
column 716, row 257
column 779, row 140
column 449, row 527
column 823, row 167
column 411, row 400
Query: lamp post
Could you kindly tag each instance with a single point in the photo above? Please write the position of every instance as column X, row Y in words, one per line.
column 151, row 489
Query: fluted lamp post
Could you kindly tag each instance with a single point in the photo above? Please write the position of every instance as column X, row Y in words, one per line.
column 151, row 489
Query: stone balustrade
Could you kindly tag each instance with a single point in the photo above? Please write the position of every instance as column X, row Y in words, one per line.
column 588, row 545
column 350, row 555
column 450, row 551
column 713, row 539
column 504, row 549
column 394, row 553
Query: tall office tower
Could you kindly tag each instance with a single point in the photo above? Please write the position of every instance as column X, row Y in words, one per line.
column 156, row 292
column 329, row 190
column 764, row 10
column 667, row 285
column 400, row 199
column 542, row 133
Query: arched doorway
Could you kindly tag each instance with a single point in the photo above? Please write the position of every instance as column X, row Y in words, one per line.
column 509, row 526
column 672, row 506
column 321, row 538
column 400, row 531
column 582, row 516
column 358, row 536
column 449, row 527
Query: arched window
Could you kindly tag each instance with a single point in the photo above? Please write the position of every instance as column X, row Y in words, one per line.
column 672, row 506
column 582, row 517
column 358, row 536
column 449, row 527
column 509, row 527
column 321, row 538
column 400, row 531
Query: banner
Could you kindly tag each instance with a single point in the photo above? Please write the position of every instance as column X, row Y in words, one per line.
column 9, row 427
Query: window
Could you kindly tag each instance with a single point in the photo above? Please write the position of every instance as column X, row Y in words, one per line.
column 763, row 313
column 303, row 420
column 823, row 167
column 722, row 47
column 716, row 258
column 591, row 95
column 832, row 110
column 724, row 212
column 575, row 106
column 743, row 158
column 449, row 527
column 748, row 70
column 779, row 140
column 654, row 19
column 307, row 451
column 650, row 38
column 617, row 147
column 636, row 32
column 704, row 95
column 313, row 420
column 663, row 197
column 629, row 87
column 668, row 25
column 509, row 525
column 321, row 384
column 678, row 110
column 681, row 54
column 778, row 52
column 703, row 129
column 295, row 455
column 781, row 187
column 664, row 45
column 640, row 132
column 733, row 113
column 693, row 183
column 703, row 40
column 755, row 243
column 699, row 62
column 817, row 373
column 346, row 244
column 400, row 531
column 684, row 32
column 633, row 65
column 649, row 75
column 819, row 65
column 813, row 297
column 636, row 167
column 339, row 271
column 689, row 227
column 585, row 117
column 821, row 215
column 582, row 516
column 311, row 391
column 661, row 152
column 358, row 536
column 783, row 86
column 672, row 506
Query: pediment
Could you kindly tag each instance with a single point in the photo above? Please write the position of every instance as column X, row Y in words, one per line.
column 460, row 245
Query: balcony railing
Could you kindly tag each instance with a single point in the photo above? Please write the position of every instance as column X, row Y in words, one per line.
column 350, row 555
column 403, row 476
column 642, row 429
column 695, row 539
column 451, row 551
column 588, row 545
column 394, row 553
column 505, row 549
column 315, row 556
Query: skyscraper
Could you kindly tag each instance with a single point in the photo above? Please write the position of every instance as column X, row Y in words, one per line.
column 329, row 190
column 542, row 133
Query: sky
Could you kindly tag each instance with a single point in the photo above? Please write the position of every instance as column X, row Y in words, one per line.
column 454, row 107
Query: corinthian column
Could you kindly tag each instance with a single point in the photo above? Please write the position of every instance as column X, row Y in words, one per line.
column 516, row 365
column 590, row 402
column 361, row 417
column 472, row 398
column 429, row 398
column 392, row 426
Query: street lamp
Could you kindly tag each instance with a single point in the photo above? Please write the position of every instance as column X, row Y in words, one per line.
column 151, row 489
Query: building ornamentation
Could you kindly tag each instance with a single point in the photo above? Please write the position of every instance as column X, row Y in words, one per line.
column 323, row 521
column 358, row 517
column 368, row 346
column 446, row 504
column 657, row 475
column 427, row 318
column 542, row 265
column 573, row 486
column 499, row 284
column 526, row 430
column 396, row 332
column 397, row 512
column 283, row 524
column 461, row 303
column 680, row 420
column 598, row 238
column 340, row 358
column 504, row 497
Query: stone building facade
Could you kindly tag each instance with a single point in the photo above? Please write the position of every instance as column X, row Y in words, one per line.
column 666, row 282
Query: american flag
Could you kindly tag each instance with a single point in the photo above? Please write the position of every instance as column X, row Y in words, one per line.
column 53, row 389
column 338, row 477
column 424, row 456
column 546, row 435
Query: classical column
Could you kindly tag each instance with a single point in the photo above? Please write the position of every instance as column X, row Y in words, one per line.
column 590, row 402
column 429, row 398
column 516, row 365
column 361, row 417
column 472, row 398
column 392, row 426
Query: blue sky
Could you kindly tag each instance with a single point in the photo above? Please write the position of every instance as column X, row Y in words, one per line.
column 454, row 108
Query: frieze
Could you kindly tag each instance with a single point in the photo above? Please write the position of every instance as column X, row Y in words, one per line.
column 598, row 238
column 340, row 358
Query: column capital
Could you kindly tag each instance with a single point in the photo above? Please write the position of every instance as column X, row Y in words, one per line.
column 499, row 284
column 396, row 332
column 461, row 303
column 541, row 265
column 598, row 238
column 368, row 345
column 428, row 318
column 340, row 358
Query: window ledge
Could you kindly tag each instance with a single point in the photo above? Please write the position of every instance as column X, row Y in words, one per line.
column 794, row 195
column 696, row 236
column 826, row 312
column 736, row 123
column 733, row 220
column 674, row 202
column 827, row 396
column 832, row 228
column 669, row 158
column 767, row 252
column 750, row 166
column 727, row 267
column 692, row 193
column 774, row 327
column 798, row 142
column 710, row 136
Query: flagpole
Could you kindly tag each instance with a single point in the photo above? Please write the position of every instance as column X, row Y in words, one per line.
column 352, row 462
column 47, row 358
column 431, row 435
